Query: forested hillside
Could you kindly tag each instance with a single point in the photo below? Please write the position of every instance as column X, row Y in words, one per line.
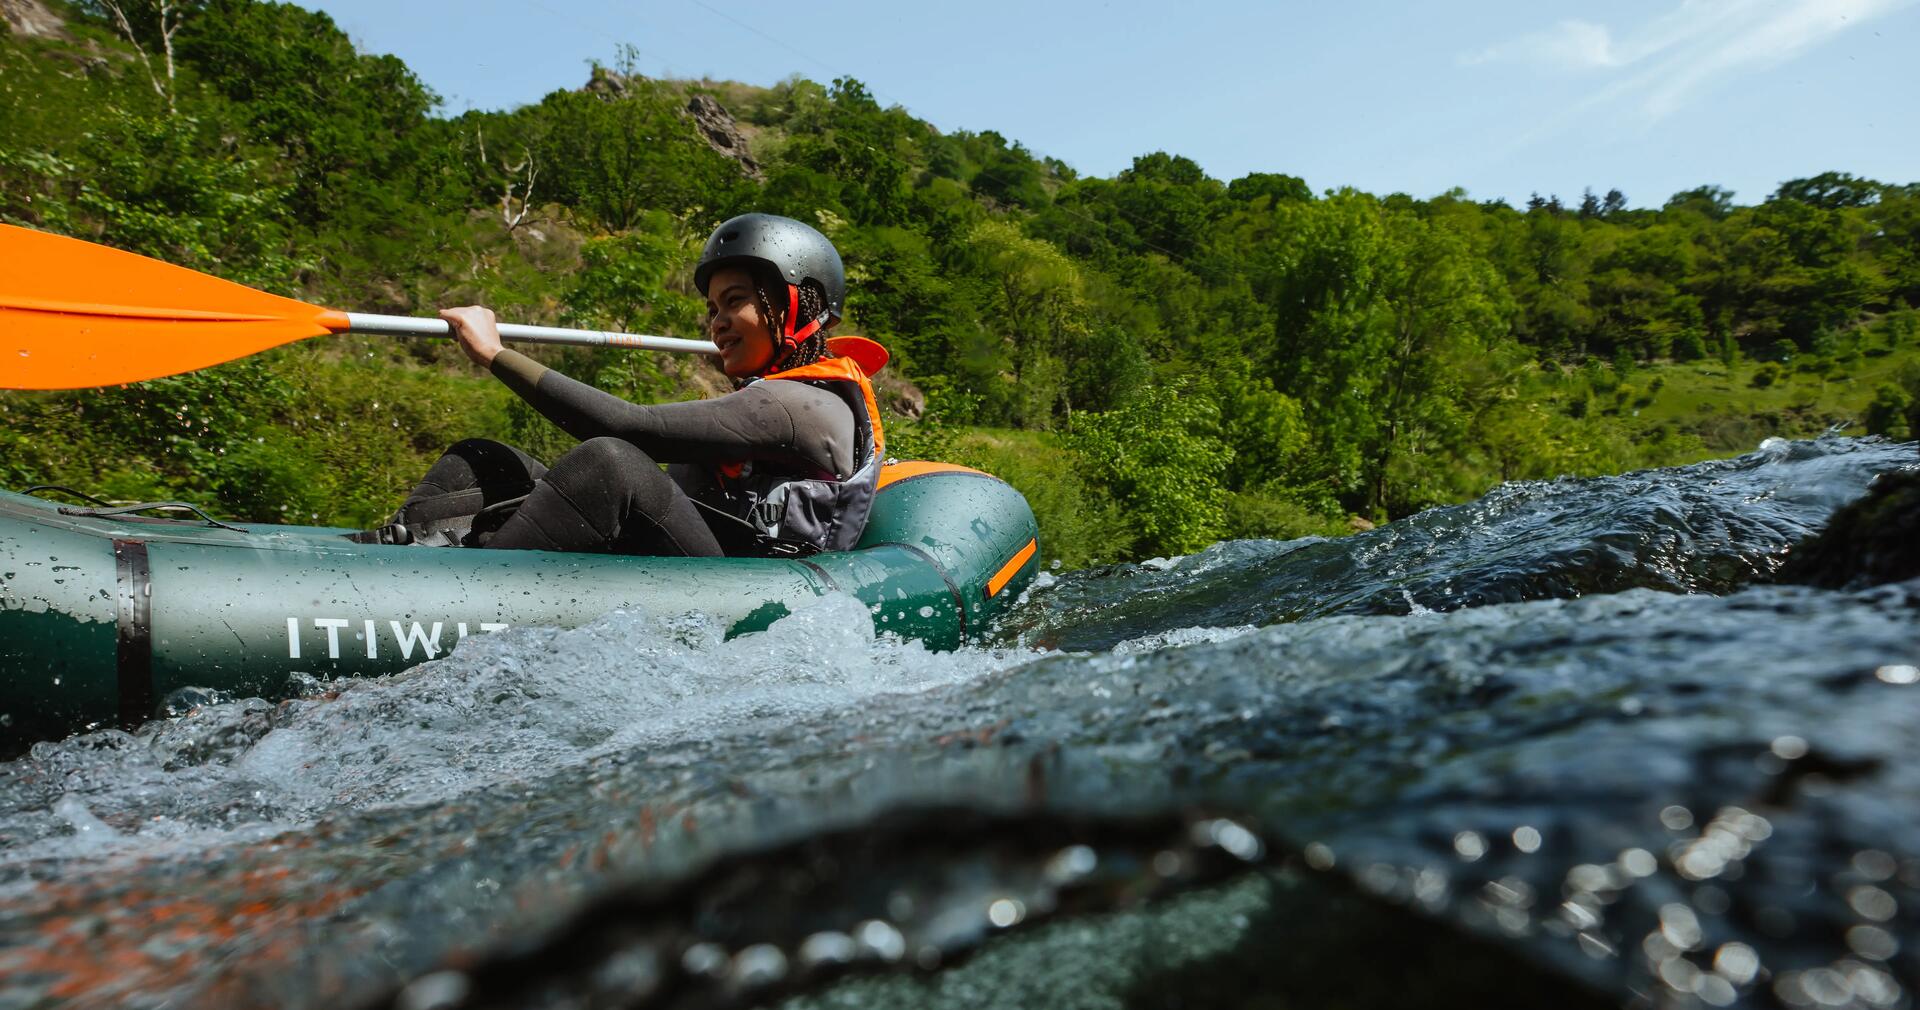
column 1159, row 359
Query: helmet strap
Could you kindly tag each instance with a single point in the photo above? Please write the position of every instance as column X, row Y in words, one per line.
column 792, row 334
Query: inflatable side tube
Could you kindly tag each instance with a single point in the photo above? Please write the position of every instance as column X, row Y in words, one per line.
column 102, row 618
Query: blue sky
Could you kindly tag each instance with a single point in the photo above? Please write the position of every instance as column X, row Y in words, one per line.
column 1502, row 98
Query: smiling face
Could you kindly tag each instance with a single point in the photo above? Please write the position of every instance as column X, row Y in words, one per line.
column 735, row 323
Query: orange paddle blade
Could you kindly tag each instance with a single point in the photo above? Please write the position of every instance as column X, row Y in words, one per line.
column 868, row 354
column 75, row 314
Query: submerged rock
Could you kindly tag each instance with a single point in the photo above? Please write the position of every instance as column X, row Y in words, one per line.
column 1712, row 527
column 1873, row 541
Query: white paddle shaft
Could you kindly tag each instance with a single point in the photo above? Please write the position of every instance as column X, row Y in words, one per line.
column 414, row 326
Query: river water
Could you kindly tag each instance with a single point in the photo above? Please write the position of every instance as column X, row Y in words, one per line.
column 1563, row 743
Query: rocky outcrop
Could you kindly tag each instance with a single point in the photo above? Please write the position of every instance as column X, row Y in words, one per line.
column 1871, row 542
column 31, row 19
column 716, row 125
column 606, row 83
column 899, row 396
column 722, row 133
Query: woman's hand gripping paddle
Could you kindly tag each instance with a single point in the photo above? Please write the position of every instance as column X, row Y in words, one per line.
column 74, row 314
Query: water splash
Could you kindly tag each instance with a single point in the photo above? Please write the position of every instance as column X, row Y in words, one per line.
column 1711, row 527
column 499, row 708
column 1598, row 746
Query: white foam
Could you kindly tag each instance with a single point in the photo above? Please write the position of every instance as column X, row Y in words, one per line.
column 1178, row 637
column 514, row 705
column 520, row 702
column 89, row 832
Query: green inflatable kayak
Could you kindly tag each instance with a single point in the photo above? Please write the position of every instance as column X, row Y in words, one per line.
column 105, row 612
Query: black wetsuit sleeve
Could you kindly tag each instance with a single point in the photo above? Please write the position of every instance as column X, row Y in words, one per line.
column 786, row 421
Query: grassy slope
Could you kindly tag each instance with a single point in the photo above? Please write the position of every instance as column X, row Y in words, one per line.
column 1722, row 404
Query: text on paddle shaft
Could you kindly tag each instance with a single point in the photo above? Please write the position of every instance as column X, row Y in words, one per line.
column 405, row 638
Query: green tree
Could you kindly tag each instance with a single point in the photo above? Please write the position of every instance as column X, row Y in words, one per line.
column 1887, row 414
column 1447, row 312
column 1830, row 190
column 616, row 156
column 1162, row 455
column 1170, row 202
column 1712, row 202
column 1265, row 428
column 171, row 188
column 1894, row 242
column 1037, row 303
column 858, row 150
column 623, row 283
column 344, row 123
column 1269, row 186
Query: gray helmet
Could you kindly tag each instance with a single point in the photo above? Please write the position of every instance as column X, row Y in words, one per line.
column 798, row 251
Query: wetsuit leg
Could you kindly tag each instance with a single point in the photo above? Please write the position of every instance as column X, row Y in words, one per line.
column 497, row 471
column 606, row 495
column 471, row 479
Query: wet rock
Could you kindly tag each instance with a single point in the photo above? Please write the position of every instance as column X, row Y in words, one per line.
column 1873, row 541
column 913, row 890
column 723, row 134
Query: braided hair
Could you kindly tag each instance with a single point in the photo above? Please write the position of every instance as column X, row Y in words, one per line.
column 812, row 301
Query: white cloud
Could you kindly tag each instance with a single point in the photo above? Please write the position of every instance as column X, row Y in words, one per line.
column 1763, row 42
column 1658, row 67
column 1569, row 44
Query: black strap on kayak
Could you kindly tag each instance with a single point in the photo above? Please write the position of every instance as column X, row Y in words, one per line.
column 133, row 652
column 959, row 601
column 63, row 489
column 145, row 506
column 773, row 548
column 454, row 519
column 821, row 573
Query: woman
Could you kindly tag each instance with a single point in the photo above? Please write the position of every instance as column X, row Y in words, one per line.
column 786, row 464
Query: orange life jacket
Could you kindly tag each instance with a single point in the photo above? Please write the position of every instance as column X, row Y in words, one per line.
column 801, row 513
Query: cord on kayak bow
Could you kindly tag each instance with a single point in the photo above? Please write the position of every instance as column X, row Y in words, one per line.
column 145, row 506
column 63, row 489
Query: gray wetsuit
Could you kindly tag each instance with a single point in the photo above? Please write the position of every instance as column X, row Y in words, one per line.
column 609, row 493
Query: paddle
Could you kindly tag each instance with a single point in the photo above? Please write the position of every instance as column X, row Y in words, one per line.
column 75, row 314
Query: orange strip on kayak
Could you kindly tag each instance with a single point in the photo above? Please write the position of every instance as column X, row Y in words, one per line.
column 919, row 468
column 1007, row 571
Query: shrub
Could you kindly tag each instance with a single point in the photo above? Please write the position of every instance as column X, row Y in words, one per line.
column 1690, row 345
column 1080, row 522
column 1162, row 454
column 1271, row 514
column 1887, row 414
